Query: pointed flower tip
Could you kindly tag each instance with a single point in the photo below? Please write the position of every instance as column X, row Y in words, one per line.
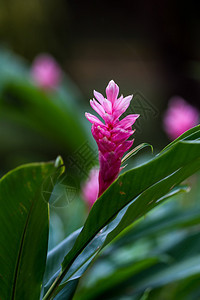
column 112, row 85
column 112, row 91
column 111, row 81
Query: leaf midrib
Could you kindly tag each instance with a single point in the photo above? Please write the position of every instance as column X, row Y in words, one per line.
column 16, row 273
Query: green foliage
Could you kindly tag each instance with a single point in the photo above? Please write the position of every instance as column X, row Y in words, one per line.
column 36, row 124
column 43, row 113
column 170, row 235
column 24, row 215
column 138, row 258
column 136, row 192
column 129, row 198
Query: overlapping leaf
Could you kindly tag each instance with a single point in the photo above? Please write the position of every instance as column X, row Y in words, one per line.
column 24, row 194
column 143, row 187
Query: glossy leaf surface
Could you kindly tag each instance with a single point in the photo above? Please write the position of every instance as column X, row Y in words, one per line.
column 24, row 223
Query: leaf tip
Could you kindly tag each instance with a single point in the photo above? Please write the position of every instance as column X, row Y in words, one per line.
column 58, row 162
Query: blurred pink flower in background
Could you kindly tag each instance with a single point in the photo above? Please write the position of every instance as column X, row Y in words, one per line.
column 90, row 188
column 179, row 117
column 111, row 136
column 46, row 72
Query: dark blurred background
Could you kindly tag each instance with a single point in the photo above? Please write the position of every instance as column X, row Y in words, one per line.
column 152, row 47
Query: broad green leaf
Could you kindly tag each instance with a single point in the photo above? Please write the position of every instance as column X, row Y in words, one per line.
column 152, row 197
column 57, row 254
column 173, row 218
column 89, row 253
column 191, row 134
column 178, row 251
column 138, row 241
column 131, row 184
column 154, row 179
column 55, row 258
column 77, row 270
column 24, row 218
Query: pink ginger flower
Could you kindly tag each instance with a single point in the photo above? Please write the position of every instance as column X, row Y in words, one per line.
column 46, row 72
column 90, row 188
column 179, row 117
column 111, row 136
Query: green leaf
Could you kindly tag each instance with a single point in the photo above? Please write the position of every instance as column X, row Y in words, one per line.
column 39, row 121
column 152, row 181
column 67, row 292
column 151, row 197
column 159, row 274
column 131, row 184
column 57, row 254
column 55, row 258
column 122, row 274
column 184, row 261
column 145, row 296
column 24, row 223
column 191, row 134
column 89, row 253
column 171, row 219
column 178, row 251
column 135, row 151
column 44, row 113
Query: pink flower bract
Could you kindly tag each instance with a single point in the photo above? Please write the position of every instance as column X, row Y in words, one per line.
column 111, row 134
column 179, row 117
column 46, row 72
column 91, row 187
